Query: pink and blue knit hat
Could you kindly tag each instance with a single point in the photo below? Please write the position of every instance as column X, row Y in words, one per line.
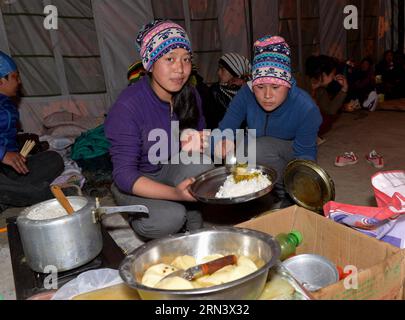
column 7, row 65
column 272, row 62
column 158, row 38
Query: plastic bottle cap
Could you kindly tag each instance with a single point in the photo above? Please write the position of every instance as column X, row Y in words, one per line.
column 298, row 236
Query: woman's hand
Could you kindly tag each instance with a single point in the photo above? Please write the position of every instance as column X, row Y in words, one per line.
column 194, row 141
column 16, row 161
column 223, row 148
column 343, row 82
column 182, row 190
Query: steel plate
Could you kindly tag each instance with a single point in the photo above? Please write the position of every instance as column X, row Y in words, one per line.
column 207, row 185
column 312, row 271
column 309, row 185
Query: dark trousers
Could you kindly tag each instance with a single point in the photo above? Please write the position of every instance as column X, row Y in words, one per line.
column 25, row 190
column 276, row 154
column 165, row 217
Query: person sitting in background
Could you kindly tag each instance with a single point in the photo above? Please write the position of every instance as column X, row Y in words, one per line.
column 233, row 73
column 390, row 71
column 362, row 85
column 329, row 89
column 23, row 181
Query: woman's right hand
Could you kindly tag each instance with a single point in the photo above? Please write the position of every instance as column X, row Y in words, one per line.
column 194, row 141
column 182, row 191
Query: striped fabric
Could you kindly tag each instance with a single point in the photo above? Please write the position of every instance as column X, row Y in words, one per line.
column 135, row 72
column 159, row 38
column 237, row 65
column 272, row 62
column 7, row 65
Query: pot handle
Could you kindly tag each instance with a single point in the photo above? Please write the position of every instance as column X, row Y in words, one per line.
column 130, row 209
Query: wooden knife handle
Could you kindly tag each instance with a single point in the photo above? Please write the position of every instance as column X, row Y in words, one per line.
column 215, row 265
column 60, row 196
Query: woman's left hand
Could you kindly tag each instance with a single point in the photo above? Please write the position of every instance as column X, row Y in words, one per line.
column 194, row 141
column 182, row 190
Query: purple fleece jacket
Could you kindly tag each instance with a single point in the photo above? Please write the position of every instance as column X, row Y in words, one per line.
column 138, row 111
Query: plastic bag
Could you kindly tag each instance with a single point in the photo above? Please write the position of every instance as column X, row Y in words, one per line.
column 389, row 190
column 88, row 281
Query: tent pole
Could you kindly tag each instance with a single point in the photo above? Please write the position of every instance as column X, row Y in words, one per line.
column 57, row 53
column 186, row 10
column 362, row 41
column 300, row 65
column 401, row 21
column 392, row 24
column 4, row 45
column 250, row 33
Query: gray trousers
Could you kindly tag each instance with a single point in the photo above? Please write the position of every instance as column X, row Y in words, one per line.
column 276, row 154
column 165, row 217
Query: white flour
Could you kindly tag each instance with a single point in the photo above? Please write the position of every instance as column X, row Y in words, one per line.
column 231, row 189
column 50, row 211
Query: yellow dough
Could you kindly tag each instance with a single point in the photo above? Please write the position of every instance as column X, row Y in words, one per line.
column 217, row 278
column 175, row 283
column 184, row 262
column 245, row 261
column 156, row 273
column 277, row 289
column 210, row 258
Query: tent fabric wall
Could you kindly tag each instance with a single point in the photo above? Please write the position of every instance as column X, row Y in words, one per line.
column 55, row 65
column 118, row 23
column 82, row 66
column 332, row 33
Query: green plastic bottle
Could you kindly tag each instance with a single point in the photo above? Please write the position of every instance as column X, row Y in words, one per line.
column 289, row 243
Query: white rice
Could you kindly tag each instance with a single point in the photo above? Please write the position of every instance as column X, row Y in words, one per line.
column 231, row 189
column 49, row 211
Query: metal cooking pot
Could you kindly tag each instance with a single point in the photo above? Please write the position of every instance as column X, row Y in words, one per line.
column 67, row 242
column 262, row 248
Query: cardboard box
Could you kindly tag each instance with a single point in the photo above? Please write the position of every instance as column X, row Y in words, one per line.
column 381, row 267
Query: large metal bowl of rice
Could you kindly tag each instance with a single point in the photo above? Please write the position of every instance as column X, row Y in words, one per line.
column 261, row 248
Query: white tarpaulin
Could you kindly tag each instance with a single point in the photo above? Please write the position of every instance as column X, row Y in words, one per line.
column 82, row 67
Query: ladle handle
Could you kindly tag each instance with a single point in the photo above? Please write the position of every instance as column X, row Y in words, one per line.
column 213, row 266
column 60, row 196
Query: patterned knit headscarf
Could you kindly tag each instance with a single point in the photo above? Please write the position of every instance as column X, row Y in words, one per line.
column 237, row 65
column 158, row 38
column 272, row 62
column 7, row 65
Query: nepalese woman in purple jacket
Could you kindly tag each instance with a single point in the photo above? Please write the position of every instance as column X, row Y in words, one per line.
column 148, row 170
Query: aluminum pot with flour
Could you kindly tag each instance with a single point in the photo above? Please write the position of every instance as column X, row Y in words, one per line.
column 50, row 237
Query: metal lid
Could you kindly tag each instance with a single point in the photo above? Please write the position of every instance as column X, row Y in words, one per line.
column 308, row 184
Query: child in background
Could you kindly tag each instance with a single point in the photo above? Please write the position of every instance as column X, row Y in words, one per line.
column 329, row 89
column 233, row 73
